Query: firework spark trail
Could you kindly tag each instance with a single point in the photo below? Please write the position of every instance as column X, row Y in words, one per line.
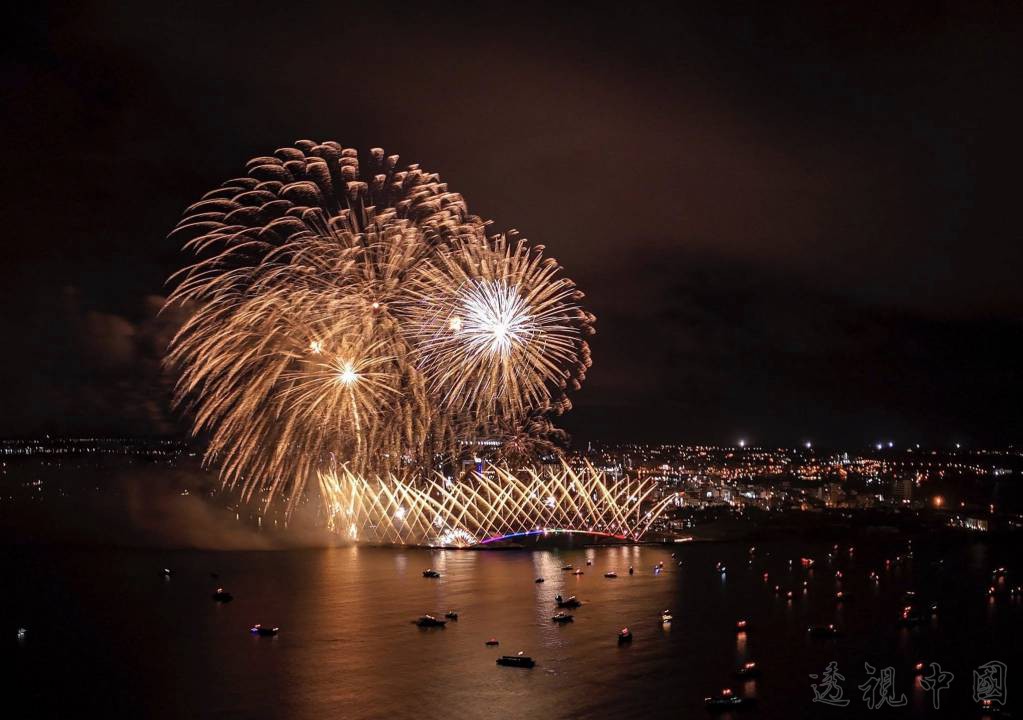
column 362, row 317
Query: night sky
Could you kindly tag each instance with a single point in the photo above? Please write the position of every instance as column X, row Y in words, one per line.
column 793, row 222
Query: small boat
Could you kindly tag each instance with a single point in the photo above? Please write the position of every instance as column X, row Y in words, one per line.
column 451, row 615
column 538, row 580
column 748, row 670
column 823, row 630
column 562, row 617
column 430, row 573
column 430, row 621
column 727, row 700
column 578, row 572
column 566, row 567
column 910, row 617
column 22, row 634
column 742, row 626
column 987, row 708
column 166, row 572
column 841, row 596
column 610, row 574
column 222, row 596
column 492, row 642
column 631, row 570
column 666, row 617
column 589, row 562
column 519, row 660
column 569, row 602
column 263, row 630
column 624, row 635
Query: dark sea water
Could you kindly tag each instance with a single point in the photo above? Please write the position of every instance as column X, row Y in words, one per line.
column 108, row 636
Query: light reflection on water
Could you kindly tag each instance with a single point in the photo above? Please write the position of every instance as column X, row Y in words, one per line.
column 109, row 633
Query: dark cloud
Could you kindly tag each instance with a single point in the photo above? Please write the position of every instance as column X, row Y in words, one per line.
column 787, row 218
column 83, row 370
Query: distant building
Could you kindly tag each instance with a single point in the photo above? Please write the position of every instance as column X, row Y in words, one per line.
column 902, row 489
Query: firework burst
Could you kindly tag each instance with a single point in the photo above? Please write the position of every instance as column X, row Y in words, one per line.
column 496, row 331
column 362, row 317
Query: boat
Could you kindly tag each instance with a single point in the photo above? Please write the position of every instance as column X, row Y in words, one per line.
column 566, row 567
column 166, row 572
column 578, row 572
column 610, row 574
column 492, row 642
column 562, row 617
column 747, row 670
column 624, row 635
column 727, row 700
column 589, row 562
column 569, row 602
column 910, row 616
column 451, row 615
column 222, row 596
column 538, row 580
column 666, row 617
column 631, row 570
column 519, row 660
column 841, row 596
column 430, row 573
column 987, row 708
column 741, row 626
column 828, row 630
column 430, row 621
column 263, row 630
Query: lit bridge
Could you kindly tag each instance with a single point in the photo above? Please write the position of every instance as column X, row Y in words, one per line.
column 497, row 505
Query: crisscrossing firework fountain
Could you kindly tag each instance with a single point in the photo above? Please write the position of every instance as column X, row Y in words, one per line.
column 488, row 507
